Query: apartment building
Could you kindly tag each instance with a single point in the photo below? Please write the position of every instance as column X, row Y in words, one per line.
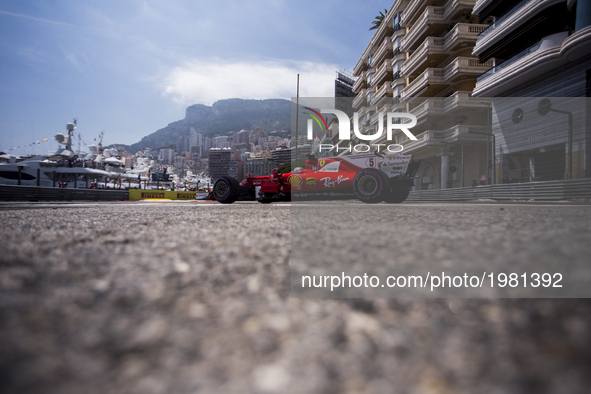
column 225, row 162
column 441, row 73
column 420, row 61
column 166, row 156
column 281, row 156
column 258, row 166
column 541, row 52
column 379, row 83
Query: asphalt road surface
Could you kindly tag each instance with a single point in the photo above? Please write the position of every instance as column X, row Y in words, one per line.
column 195, row 297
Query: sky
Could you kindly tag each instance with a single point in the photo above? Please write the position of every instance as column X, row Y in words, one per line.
column 131, row 67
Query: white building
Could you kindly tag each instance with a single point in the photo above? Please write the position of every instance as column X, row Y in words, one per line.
column 166, row 156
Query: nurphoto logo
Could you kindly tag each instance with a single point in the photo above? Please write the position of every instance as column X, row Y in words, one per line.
column 393, row 122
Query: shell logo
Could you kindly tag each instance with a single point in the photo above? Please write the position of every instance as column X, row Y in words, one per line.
column 295, row 181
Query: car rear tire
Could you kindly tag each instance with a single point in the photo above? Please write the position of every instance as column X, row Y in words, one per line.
column 370, row 185
column 397, row 195
column 226, row 190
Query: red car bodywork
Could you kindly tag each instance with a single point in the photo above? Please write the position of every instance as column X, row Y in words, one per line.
column 369, row 177
column 328, row 175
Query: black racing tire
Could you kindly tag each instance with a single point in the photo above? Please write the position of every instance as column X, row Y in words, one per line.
column 370, row 185
column 226, row 190
column 397, row 195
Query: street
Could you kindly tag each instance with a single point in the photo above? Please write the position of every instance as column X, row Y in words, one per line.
column 185, row 297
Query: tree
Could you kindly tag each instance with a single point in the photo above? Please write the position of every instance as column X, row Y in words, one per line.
column 379, row 19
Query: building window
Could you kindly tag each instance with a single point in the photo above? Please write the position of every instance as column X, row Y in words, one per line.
column 428, row 178
column 455, row 175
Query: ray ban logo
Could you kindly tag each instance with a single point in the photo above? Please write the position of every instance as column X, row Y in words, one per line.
column 393, row 122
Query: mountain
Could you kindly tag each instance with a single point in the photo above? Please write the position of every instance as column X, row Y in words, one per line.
column 219, row 119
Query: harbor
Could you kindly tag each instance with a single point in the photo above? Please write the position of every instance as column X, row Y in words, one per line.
column 99, row 168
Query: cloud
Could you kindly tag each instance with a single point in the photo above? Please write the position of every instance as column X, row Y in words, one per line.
column 32, row 18
column 204, row 82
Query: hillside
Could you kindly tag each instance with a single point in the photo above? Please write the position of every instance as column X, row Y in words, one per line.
column 219, row 119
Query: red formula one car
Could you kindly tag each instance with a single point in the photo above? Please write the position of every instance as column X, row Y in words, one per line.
column 370, row 178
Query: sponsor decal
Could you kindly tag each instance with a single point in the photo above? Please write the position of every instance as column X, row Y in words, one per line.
column 152, row 195
column 310, row 182
column 395, row 164
column 371, row 162
column 328, row 183
column 322, row 163
column 295, row 181
column 185, row 196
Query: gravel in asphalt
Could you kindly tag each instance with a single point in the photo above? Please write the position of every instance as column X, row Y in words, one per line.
column 185, row 298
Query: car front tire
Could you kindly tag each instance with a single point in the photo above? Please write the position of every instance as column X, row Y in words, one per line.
column 226, row 190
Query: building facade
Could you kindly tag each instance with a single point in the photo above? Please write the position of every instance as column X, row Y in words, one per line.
column 166, row 156
column 420, row 61
column 225, row 162
column 258, row 167
column 541, row 51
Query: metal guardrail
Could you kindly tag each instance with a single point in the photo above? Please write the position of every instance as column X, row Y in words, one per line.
column 31, row 193
column 575, row 189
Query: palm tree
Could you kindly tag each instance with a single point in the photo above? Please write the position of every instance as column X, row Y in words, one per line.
column 379, row 19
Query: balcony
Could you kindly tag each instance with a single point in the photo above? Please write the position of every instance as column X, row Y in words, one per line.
column 435, row 50
column 397, row 80
column 426, row 138
column 385, row 91
column 464, row 68
column 383, row 72
column 398, row 57
column 361, row 99
column 433, row 107
column 431, row 23
column 462, row 133
column 430, row 78
column 399, row 31
column 431, row 51
column 509, row 23
column 454, row 8
column 370, row 76
column 462, row 35
column 361, row 82
column 465, row 133
column 548, row 54
column 361, row 65
column 384, row 51
column 481, row 5
column 437, row 78
column 501, row 19
column 464, row 100
column 413, row 10
column 375, row 118
column 429, row 107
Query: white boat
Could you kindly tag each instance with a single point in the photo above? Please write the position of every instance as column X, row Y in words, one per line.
column 42, row 171
column 63, row 169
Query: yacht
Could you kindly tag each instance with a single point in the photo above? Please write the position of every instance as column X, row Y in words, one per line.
column 60, row 169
